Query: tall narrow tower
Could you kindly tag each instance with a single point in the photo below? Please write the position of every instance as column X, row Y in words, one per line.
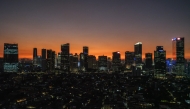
column 178, row 55
column 85, row 52
column 138, row 53
column 160, row 61
column 10, row 58
column 65, row 57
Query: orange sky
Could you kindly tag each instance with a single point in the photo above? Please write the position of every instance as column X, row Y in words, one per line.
column 103, row 26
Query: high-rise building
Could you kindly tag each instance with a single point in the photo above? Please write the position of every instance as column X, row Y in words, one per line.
column 129, row 59
column 59, row 61
column 102, row 63
column 44, row 64
column 109, row 63
column 138, row 53
column 85, row 52
column 53, row 60
column 160, row 61
column 35, row 56
column 56, row 60
column 92, row 62
column 82, row 67
column 188, row 68
column 49, row 60
column 10, row 57
column 65, row 55
column 1, row 65
column 148, row 60
column 35, row 53
column 178, row 55
column 116, row 61
column 74, row 63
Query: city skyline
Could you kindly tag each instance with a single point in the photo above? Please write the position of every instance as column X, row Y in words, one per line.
column 103, row 26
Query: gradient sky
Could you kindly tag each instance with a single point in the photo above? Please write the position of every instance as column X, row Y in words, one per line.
column 103, row 25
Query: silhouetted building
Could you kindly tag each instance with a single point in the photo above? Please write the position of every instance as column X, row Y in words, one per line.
column 129, row 59
column 56, row 60
column 1, row 65
column 138, row 53
column 82, row 67
column 102, row 63
column 92, row 65
column 53, row 60
column 74, row 63
column 59, row 61
column 39, row 61
column 35, row 55
column 116, row 61
column 178, row 55
column 65, row 54
column 44, row 64
column 109, row 63
column 148, row 60
column 85, row 52
column 160, row 61
column 188, row 68
column 49, row 60
column 10, row 57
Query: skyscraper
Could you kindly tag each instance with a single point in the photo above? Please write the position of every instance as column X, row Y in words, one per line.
column 10, row 57
column 53, row 60
column 59, row 60
column 82, row 68
column 102, row 63
column 85, row 52
column 74, row 63
column 138, row 53
column 129, row 59
column 91, row 62
column 160, row 61
column 35, row 55
column 116, row 61
column 178, row 55
column 65, row 55
column 34, row 52
column 44, row 60
column 49, row 60
column 148, row 60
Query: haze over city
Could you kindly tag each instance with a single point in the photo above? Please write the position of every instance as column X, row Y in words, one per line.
column 104, row 26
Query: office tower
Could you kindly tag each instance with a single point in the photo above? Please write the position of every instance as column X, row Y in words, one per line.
column 75, row 62
column 92, row 65
column 49, row 60
column 65, row 54
column 39, row 61
column 129, row 59
column 59, row 61
column 188, row 68
column 35, row 56
column 178, row 55
column 85, row 52
column 53, row 61
column 10, row 57
column 1, row 65
column 102, row 63
column 160, row 61
column 138, row 53
column 82, row 67
column 43, row 60
column 148, row 60
column 109, row 63
column 116, row 62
